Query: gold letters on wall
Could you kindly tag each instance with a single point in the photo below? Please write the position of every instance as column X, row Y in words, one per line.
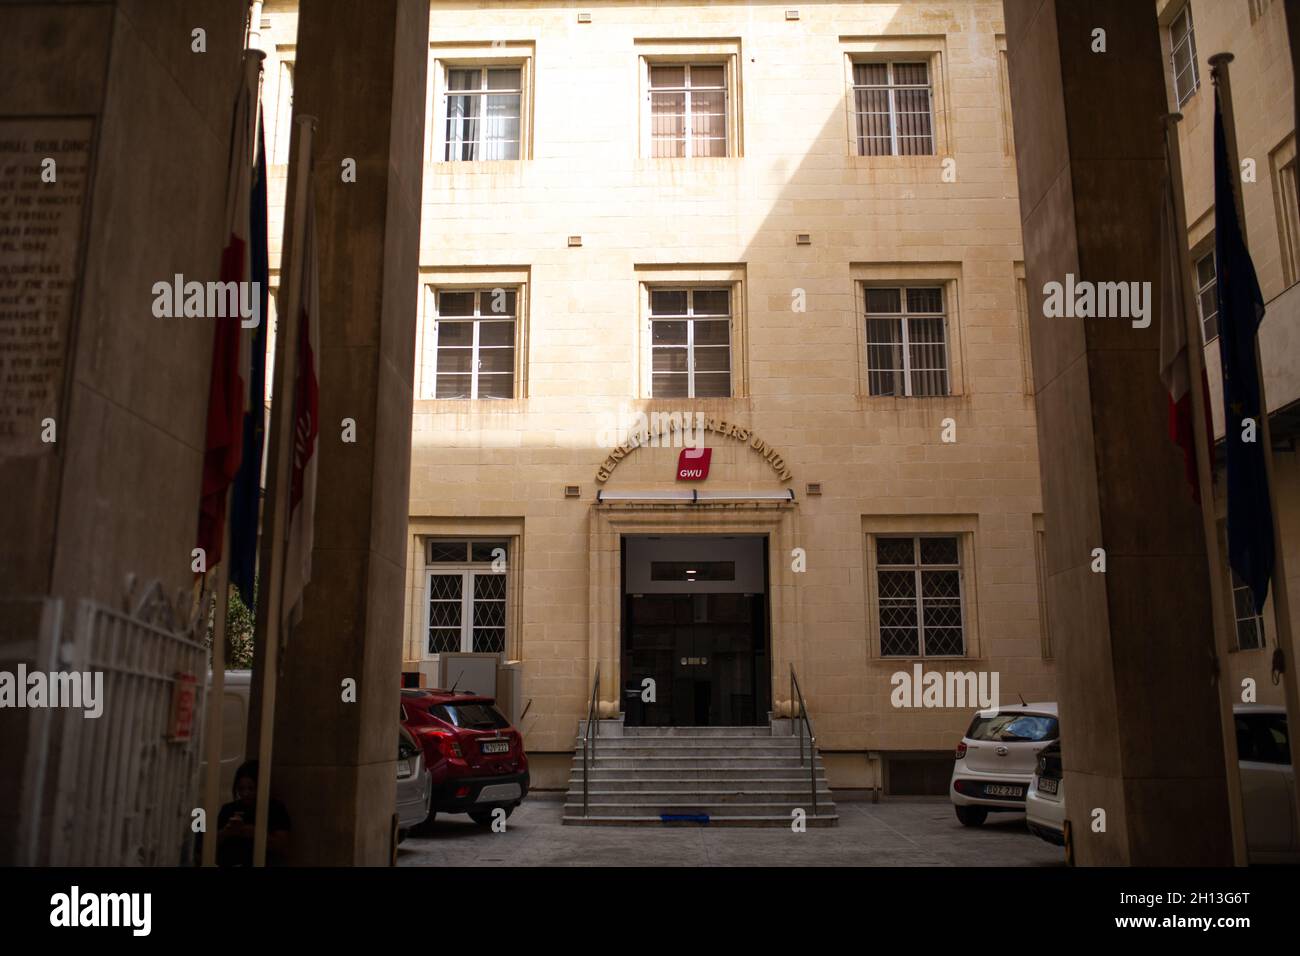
column 718, row 425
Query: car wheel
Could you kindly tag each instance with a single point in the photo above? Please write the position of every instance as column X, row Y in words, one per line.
column 423, row 828
column 484, row 817
column 971, row 816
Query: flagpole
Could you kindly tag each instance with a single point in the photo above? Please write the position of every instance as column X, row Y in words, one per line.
column 1201, row 443
column 1284, row 652
column 214, row 719
column 277, row 522
column 213, row 724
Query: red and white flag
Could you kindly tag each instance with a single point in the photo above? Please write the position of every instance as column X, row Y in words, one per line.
column 306, row 425
column 223, row 440
column 1175, row 366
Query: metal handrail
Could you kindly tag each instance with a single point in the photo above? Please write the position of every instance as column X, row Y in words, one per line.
column 796, row 693
column 589, row 743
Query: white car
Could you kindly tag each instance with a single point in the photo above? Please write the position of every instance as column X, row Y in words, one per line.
column 995, row 760
column 1267, row 787
column 1045, row 799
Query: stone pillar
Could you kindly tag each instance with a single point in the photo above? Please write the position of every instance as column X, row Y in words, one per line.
column 135, row 113
column 1140, row 726
column 361, row 70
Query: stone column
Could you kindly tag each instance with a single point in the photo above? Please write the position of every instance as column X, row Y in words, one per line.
column 361, row 70
column 1141, row 736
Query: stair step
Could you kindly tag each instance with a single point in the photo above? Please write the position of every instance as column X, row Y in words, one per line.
column 760, row 820
column 763, row 731
column 700, row 798
column 761, row 784
column 710, row 744
column 694, row 763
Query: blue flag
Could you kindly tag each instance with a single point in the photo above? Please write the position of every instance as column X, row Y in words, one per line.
column 247, row 491
column 1241, row 308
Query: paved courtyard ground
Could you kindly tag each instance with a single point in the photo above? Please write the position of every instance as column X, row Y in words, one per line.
column 899, row 831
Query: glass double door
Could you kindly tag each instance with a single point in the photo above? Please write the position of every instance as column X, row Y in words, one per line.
column 705, row 656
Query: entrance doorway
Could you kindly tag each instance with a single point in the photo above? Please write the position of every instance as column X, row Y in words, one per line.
column 695, row 625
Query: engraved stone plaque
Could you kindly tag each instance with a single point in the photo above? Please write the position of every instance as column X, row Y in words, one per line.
column 41, row 206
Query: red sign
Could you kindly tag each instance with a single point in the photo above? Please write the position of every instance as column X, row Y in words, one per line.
column 182, row 716
column 693, row 464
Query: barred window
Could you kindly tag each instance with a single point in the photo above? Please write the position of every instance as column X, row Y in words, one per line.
column 918, row 581
column 473, row 347
column 690, row 343
column 688, row 110
column 465, row 594
column 892, row 105
column 483, row 113
column 907, row 348
column 1182, row 43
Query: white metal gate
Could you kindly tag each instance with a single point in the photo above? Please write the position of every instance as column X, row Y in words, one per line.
column 113, row 790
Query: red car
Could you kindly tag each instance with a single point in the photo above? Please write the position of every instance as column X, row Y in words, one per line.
column 476, row 759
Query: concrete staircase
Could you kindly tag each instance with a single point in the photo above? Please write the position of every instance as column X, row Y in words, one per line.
column 715, row 776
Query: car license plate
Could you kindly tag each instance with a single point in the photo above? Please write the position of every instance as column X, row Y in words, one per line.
column 404, row 769
column 1047, row 785
column 1003, row 790
column 495, row 746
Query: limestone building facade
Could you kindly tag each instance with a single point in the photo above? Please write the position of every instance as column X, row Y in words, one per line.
column 1255, row 33
column 785, row 234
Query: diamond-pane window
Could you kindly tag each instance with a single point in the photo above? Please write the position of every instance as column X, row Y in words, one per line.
column 467, row 593
column 918, row 584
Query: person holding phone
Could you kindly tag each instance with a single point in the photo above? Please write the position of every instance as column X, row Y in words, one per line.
column 236, row 819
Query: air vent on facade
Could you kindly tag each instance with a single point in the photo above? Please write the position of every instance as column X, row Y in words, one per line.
column 572, row 491
column 792, row 14
column 575, row 240
column 584, row 17
column 803, row 239
column 814, row 488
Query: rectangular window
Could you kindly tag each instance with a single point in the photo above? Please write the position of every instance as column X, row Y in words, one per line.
column 690, row 343
column 907, row 349
column 1289, row 222
column 893, row 109
column 1182, row 44
column 483, row 107
column 474, row 336
column 688, row 110
column 1207, row 302
column 1250, row 626
column 918, row 581
column 466, row 596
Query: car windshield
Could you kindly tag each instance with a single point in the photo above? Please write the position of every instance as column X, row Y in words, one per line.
column 473, row 716
column 1014, row 727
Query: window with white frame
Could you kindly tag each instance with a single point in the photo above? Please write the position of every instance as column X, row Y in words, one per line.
column 907, row 347
column 282, row 118
column 473, row 344
column 1207, row 291
column 465, row 596
column 690, row 343
column 688, row 109
column 1182, row 44
column 1289, row 222
column 893, row 108
column 1250, row 626
column 918, row 587
column 484, row 112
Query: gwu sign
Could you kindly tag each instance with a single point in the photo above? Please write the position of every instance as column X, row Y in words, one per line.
column 693, row 464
